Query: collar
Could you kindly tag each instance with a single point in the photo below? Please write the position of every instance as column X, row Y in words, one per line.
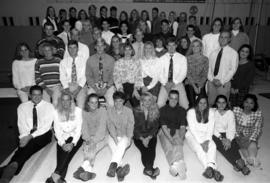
column 235, row 32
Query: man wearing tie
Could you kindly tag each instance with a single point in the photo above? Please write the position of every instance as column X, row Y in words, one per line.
column 72, row 73
column 35, row 118
column 173, row 70
column 99, row 73
column 223, row 63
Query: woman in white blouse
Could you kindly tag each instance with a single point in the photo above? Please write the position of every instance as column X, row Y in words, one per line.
column 199, row 137
column 150, row 70
column 67, row 128
column 210, row 40
column 23, row 71
column 224, row 135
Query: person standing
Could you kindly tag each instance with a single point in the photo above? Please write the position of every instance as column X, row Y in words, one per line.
column 223, row 64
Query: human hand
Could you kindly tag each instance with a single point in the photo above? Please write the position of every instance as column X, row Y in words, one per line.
column 24, row 141
column 226, row 143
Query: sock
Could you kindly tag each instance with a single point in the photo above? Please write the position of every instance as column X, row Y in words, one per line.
column 86, row 166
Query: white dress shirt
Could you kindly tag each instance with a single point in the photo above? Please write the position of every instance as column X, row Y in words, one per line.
column 179, row 68
column 210, row 43
column 45, row 117
column 83, row 51
column 151, row 68
column 228, row 65
column 138, row 48
column 71, row 128
column 65, row 70
column 201, row 131
column 64, row 36
column 225, row 124
column 107, row 36
column 23, row 73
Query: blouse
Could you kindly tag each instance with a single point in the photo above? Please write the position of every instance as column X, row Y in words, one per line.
column 248, row 125
column 225, row 124
column 150, row 67
column 127, row 71
column 143, row 127
column 197, row 70
column 70, row 128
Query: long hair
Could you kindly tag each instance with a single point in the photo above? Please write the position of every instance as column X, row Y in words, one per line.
column 190, row 49
column 66, row 114
column 47, row 11
column 217, row 20
column 250, row 56
column 17, row 55
column 153, row 111
column 241, row 28
column 225, row 99
column 202, row 117
column 79, row 14
column 153, row 53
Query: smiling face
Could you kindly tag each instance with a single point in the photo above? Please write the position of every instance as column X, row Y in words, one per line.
column 48, row 29
column 48, row 52
column 24, row 52
column 216, row 27
column 244, row 53
column 224, row 39
column 249, row 104
column 173, row 100
column 93, row 103
column 221, row 104
column 171, row 47
column 36, row 96
column 66, row 101
column 128, row 52
column 115, row 42
column 236, row 24
column 118, row 103
column 73, row 50
column 196, row 47
column 124, row 28
column 146, row 101
column 202, row 105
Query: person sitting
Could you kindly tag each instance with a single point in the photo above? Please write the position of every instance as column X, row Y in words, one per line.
column 201, row 122
column 67, row 130
column 120, row 125
column 127, row 76
column 99, row 73
column 160, row 49
column 72, row 74
column 94, row 135
column 65, row 34
column 47, row 74
column 23, row 71
column 224, row 135
column 145, row 132
column 173, row 122
column 106, row 34
column 249, row 123
column 57, row 43
column 35, row 118
column 138, row 45
column 191, row 32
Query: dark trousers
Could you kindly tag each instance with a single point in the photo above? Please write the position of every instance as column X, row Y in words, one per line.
column 148, row 154
column 34, row 145
column 63, row 158
column 128, row 90
column 191, row 94
column 231, row 154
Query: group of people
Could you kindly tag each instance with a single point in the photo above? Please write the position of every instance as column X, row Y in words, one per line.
column 104, row 81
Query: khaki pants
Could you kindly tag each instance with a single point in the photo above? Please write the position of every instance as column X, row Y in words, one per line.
column 214, row 91
column 56, row 93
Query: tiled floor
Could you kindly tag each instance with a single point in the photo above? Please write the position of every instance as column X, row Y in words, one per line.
column 40, row 166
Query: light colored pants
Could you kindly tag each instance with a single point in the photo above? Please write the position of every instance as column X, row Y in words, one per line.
column 173, row 153
column 119, row 149
column 108, row 95
column 207, row 159
column 90, row 153
column 214, row 91
column 23, row 95
column 81, row 97
column 56, row 93
column 163, row 96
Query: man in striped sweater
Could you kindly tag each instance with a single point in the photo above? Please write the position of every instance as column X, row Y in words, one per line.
column 47, row 74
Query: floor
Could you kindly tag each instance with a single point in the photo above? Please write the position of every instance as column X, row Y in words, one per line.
column 42, row 164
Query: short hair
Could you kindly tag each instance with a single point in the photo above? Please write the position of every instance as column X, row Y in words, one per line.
column 224, row 98
column 250, row 56
column 113, row 8
column 35, row 87
column 255, row 100
column 103, row 7
column 47, row 44
column 119, row 95
column 174, row 92
column 191, row 26
column 165, row 21
column 171, row 40
column 162, row 39
column 155, row 9
column 48, row 24
column 72, row 8
column 100, row 39
column 215, row 20
column 73, row 42
column 105, row 20
column 92, row 95
column 92, row 6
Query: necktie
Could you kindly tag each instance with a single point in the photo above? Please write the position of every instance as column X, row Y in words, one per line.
column 34, row 119
column 218, row 62
column 100, row 66
column 73, row 72
column 170, row 75
column 140, row 51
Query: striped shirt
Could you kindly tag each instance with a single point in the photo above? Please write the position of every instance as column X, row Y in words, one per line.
column 47, row 72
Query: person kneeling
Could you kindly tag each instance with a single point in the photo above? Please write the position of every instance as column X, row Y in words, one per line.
column 94, row 134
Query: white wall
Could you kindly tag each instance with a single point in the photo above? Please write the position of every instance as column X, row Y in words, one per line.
column 22, row 9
